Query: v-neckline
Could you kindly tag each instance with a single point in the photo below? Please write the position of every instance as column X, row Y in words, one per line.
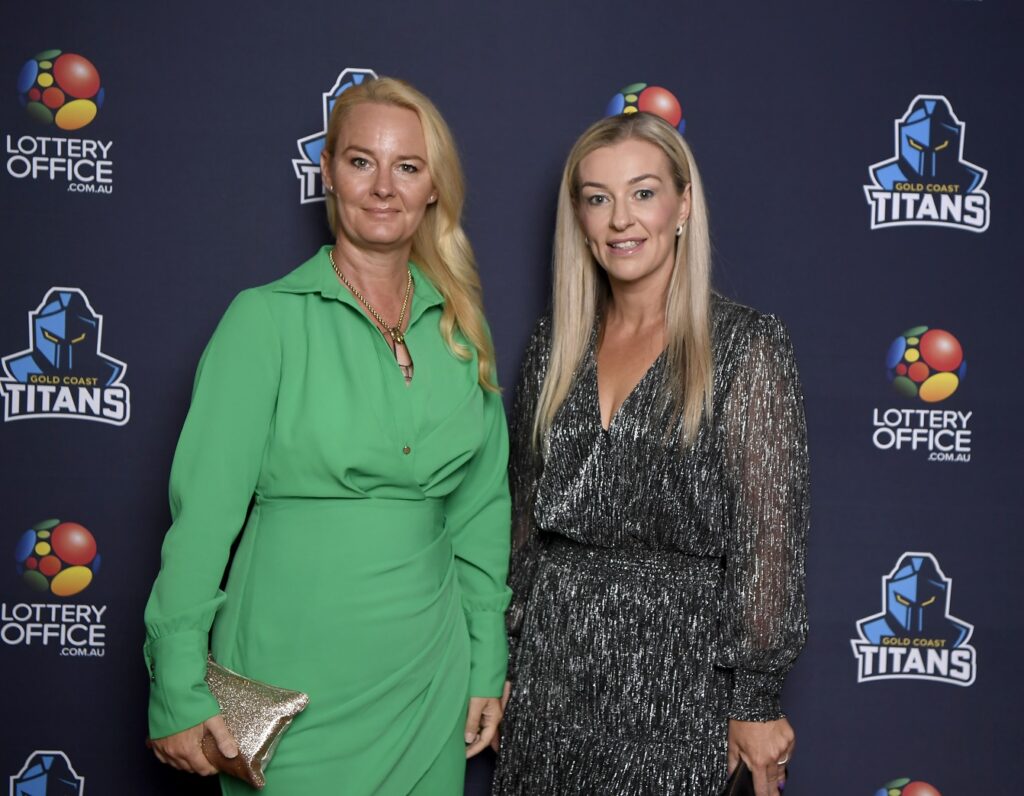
column 597, row 388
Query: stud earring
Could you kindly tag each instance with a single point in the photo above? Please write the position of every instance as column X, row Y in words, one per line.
column 679, row 230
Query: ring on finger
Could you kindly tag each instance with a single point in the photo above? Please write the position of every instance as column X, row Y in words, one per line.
column 783, row 761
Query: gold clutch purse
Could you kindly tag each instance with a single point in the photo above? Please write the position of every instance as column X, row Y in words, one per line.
column 257, row 714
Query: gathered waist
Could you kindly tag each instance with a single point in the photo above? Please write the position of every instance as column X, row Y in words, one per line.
column 424, row 510
column 561, row 550
column 369, row 535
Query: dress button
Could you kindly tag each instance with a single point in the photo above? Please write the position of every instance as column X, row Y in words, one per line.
column 406, row 450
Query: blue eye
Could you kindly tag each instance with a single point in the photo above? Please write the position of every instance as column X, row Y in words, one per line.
column 596, row 199
column 360, row 163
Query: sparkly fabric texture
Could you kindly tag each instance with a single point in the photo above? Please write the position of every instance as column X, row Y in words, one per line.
column 659, row 590
column 256, row 714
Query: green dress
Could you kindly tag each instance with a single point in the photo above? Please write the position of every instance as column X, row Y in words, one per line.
column 371, row 571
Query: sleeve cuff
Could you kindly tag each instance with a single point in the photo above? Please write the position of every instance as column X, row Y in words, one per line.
column 178, row 695
column 755, row 696
column 488, row 653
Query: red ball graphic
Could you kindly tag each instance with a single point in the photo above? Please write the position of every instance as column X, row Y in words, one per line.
column 50, row 566
column 941, row 350
column 76, row 75
column 918, row 788
column 918, row 372
column 73, row 543
column 661, row 102
column 53, row 97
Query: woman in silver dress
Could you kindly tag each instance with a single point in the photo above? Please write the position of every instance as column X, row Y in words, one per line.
column 660, row 491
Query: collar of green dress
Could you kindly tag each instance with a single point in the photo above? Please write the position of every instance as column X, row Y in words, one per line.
column 316, row 276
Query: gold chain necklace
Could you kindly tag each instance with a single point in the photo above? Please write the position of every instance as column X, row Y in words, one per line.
column 395, row 332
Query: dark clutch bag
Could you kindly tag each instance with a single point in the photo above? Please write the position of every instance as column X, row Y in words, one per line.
column 257, row 714
column 741, row 783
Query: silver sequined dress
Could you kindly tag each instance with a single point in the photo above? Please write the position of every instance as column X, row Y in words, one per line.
column 659, row 591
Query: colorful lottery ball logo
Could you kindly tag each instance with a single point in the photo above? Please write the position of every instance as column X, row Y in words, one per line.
column 60, row 88
column 57, row 557
column 638, row 97
column 926, row 363
column 904, row 786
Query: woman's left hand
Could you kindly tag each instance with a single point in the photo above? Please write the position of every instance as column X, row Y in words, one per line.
column 766, row 747
column 482, row 721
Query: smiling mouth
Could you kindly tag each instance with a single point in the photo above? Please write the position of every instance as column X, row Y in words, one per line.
column 626, row 245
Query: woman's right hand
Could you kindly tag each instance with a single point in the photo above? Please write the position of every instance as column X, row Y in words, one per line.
column 766, row 747
column 184, row 750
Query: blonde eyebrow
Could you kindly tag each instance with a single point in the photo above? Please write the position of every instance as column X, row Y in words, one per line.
column 370, row 152
column 633, row 181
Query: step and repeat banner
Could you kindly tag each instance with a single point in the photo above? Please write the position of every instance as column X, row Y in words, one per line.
column 864, row 170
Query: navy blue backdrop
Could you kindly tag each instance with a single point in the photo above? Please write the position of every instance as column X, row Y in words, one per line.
column 176, row 188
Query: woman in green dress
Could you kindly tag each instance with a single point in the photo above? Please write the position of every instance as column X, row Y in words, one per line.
column 353, row 403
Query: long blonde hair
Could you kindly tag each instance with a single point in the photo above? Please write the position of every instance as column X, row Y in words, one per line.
column 581, row 289
column 439, row 247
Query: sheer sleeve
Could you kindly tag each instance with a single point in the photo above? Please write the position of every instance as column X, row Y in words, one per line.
column 765, row 617
column 525, row 467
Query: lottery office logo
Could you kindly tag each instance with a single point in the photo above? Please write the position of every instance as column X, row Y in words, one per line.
column 645, row 98
column 925, row 365
column 915, row 637
column 307, row 165
column 927, row 182
column 64, row 372
column 56, row 559
column 61, row 91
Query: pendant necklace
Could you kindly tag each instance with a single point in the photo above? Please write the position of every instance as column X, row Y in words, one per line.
column 398, row 346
